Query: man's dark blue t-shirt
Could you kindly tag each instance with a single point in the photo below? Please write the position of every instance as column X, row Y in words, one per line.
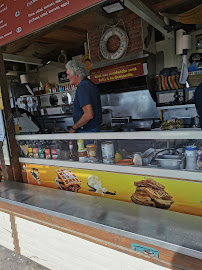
column 87, row 93
column 198, row 101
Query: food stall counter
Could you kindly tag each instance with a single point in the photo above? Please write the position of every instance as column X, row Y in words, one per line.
column 169, row 230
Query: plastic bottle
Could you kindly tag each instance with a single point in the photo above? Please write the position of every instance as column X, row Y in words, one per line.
column 41, row 150
column 30, row 149
column 71, row 155
column 63, row 149
column 26, row 148
column 17, row 127
column 21, row 146
column 80, row 144
column 35, row 150
column 47, row 150
column 191, row 155
column 54, row 150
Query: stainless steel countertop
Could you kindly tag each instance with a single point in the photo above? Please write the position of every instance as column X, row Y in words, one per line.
column 171, row 230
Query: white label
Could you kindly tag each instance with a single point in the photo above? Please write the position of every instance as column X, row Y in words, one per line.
column 163, row 98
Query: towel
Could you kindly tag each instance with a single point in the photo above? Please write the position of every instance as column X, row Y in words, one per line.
column 184, row 70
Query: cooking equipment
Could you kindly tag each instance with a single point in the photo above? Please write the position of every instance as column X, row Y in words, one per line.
column 189, row 95
column 56, row 99
column 171, row 97
column 120, row 120
column 140, row 124
column 67, row 98
column 169, row 161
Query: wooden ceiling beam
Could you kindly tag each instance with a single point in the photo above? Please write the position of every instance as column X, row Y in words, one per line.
column 54, row 41
column 175, row 6
column 166, row 4
column 147, row 15
column 73, row 29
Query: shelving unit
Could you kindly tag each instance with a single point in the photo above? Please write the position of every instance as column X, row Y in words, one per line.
column 149, row 171
column 66, row 91
column 144, row 170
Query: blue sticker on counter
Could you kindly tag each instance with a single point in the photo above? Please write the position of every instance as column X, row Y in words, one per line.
column 146, row 250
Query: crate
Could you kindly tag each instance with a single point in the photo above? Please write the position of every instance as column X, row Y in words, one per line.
column 194, row 79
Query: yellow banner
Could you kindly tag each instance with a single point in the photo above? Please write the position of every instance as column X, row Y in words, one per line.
column 175, row 195
column 1, row 101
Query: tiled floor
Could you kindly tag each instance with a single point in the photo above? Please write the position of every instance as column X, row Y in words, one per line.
column 10, row 260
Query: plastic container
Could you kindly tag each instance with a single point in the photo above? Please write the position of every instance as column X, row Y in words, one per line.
column 137, row 159
column 191, row 155
column 82, row 154
column 200, row 158
column 80, row 144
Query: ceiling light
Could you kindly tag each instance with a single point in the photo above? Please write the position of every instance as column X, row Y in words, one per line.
column 113, row 6
column 45, row 62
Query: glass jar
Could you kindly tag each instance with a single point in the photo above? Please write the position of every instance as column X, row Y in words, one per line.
column 91, row 152
column 191, row 155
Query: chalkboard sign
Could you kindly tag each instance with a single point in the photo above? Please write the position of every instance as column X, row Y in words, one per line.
column 62, row 77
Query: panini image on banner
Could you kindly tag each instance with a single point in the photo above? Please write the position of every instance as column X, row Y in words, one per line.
column 151, row 193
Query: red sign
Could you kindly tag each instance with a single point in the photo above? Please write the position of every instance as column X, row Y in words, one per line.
column 20, row 17
column 118, row 72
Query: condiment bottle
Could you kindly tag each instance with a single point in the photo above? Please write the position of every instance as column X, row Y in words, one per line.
column 41, row 150
column 35, row 150
column 80, row 144
column 30, row 149
column 191, row 155
column 47, row 150
column 54, row 150
column 71, row 155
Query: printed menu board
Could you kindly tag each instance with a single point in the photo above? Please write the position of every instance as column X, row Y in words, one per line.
column 116, row 72
column 20, row 17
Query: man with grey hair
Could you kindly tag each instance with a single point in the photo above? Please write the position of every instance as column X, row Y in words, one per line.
column 87, row 111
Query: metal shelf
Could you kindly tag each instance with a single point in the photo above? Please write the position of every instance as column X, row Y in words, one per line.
column 195, row 134
column 65, row 91
column 176, row 107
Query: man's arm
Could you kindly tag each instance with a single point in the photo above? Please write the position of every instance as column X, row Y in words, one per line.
column 85, row 118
